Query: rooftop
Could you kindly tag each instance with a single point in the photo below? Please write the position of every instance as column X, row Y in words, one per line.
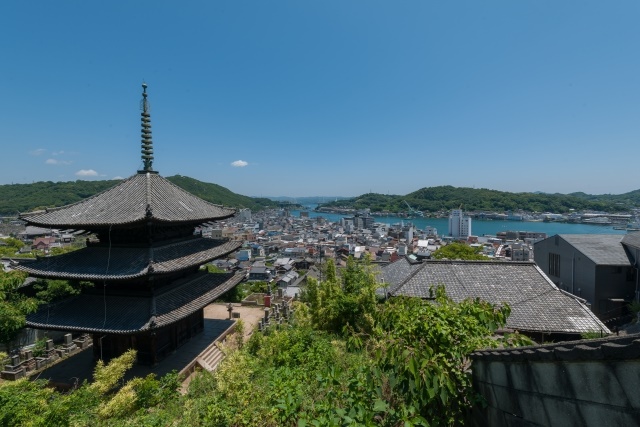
column 141, row 198
column 602, row 249
column 610, row 348
column 537, row 305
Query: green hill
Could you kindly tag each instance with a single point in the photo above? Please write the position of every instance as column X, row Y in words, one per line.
column 215, row 193
column 433, row 199
column 16, row 198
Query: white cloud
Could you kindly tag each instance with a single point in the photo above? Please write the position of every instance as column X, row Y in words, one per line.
column 239, row 164
column 37, row 152
column 117, row 177
column 57, row 162
column 57, row 153
column 86, row 172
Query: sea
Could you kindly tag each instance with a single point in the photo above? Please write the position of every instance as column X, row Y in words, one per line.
column 480, row 227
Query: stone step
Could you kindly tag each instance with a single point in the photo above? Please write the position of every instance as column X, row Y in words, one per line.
column 210, row 352
column 210, row 358
column 214, row 357
column 203, row 364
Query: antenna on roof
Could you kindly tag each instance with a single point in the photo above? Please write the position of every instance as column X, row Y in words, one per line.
column 147, row 144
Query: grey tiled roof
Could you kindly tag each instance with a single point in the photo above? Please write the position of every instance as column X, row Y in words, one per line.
column 122, row 263
column 602, row 249
column 131, row 314
column 127, row 202
column 537, row 305
column 632, row 239
column 610, row 348
column 396, row 272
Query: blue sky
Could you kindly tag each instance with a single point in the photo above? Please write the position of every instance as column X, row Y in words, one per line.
column 295, row 98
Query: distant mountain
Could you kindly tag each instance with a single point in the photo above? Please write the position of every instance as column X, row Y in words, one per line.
column 630, row 198
column 308, row 200
column 16, row 198
column 215, row 193
column 433, row 199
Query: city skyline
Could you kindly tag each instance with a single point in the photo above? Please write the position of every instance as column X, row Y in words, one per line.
column 341, row 98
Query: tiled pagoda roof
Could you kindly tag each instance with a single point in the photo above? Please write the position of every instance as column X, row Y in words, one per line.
column 146, row 196
column 124, row 263
column 132, row 314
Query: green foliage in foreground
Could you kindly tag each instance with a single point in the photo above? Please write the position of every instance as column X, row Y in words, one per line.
column 403, row 362
column 106, row 401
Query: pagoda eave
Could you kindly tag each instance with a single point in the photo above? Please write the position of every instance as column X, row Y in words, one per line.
column 142, row 221
column 102, row 263
column 127, row 315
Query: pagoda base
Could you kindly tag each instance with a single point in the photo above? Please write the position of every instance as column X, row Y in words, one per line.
column 152, row 346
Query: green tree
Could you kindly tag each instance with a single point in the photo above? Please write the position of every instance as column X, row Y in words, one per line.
column 421, row 349
column 345, row 300
column 457, row 250
column 14, row 306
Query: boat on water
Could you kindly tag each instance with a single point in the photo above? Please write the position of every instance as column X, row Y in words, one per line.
column 599, row 220
column 631, row 226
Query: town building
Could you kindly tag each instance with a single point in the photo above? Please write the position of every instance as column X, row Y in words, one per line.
column 459, row 224
column 601, row 268
column 520, row 251
column 244, row 215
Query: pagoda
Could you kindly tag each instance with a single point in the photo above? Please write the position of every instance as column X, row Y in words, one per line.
column 144, row 260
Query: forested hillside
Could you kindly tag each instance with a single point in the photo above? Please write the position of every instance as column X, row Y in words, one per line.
column 433, row 199
column 16, row 198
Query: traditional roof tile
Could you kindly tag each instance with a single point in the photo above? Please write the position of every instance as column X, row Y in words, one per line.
column 537, row 305
column 120, row 314
column 632, row 239
column 142, row 197
column 123, row 263
column 609, row 348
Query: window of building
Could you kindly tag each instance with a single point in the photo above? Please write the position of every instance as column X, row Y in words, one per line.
column 554, row 264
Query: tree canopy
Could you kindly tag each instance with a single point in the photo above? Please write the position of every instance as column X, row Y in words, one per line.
column 14, row 306
column 458, row 250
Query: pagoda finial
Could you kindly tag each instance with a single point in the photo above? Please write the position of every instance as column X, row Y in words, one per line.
column 147, row 144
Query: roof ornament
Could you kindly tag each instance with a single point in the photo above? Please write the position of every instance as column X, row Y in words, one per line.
column 147, row 144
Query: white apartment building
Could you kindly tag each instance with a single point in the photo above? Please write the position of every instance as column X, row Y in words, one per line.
column 459, row 225
column 244, row 215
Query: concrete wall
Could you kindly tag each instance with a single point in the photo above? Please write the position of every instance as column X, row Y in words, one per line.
column 585, row 383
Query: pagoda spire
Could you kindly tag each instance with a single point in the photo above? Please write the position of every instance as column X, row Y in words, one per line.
column 147, row 144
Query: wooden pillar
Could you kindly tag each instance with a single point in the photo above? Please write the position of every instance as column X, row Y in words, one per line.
column 154, row 348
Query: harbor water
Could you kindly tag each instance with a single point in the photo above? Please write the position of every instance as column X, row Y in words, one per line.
column 483, row 227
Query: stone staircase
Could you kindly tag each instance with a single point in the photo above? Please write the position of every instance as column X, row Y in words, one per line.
column 210, row 358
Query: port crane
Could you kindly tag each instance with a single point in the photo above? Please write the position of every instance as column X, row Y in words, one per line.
column 412, row 211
